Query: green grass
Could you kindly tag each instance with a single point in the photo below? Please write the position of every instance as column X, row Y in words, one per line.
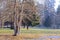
column 3, row 30
column 33, row 31
column 41, row 31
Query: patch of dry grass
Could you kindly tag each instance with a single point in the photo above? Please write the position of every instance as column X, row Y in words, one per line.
column 19, row 37
column 26, row 36
column 6, row 34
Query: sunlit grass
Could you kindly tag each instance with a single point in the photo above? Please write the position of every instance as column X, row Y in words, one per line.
column 3, row 31
column 41, row 31
column 31, row 31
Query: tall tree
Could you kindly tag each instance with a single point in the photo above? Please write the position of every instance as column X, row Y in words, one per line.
column 18, row 10
column 49, row 12
column 26, row 11
column 58, row 17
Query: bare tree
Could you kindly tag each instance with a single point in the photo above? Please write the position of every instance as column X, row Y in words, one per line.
column 27, row 10
column 18, row 10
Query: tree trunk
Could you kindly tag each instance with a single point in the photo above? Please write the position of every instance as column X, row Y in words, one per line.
column 16, row 16
column 16, row 32
column 27, row 27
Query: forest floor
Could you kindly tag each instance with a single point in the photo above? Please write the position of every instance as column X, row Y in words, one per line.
column 31, row 34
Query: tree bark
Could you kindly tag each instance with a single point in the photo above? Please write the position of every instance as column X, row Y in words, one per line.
column 16, row 15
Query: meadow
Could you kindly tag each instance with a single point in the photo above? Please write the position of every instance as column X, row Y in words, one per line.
column 30, row 34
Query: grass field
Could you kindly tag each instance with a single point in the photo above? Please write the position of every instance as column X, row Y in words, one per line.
column 31, row 33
